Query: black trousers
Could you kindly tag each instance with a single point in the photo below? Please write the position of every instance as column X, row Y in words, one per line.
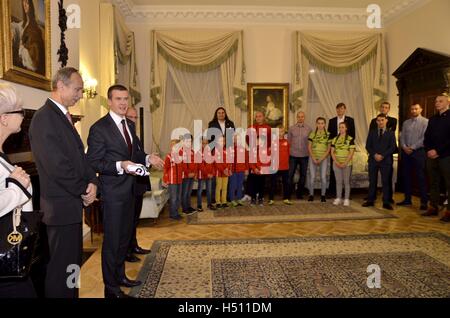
column 118, row 218
column 273, row 184
column 256, row 183
column 384, row 167
column 139, row 199
column 65, row 244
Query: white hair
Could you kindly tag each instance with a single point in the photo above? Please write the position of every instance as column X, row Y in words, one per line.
column 9, row 101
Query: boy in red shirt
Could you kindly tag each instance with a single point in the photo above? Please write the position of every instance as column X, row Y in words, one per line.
column 239, row 170
column 259, row 165
column 173, row 178
column 205, row 175
column 283, row 167
column 190, row 173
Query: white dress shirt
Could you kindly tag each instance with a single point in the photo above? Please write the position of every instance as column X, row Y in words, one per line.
column 118, row 121
column 61, row 107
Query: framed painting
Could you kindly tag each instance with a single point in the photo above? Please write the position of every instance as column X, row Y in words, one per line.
column 272, row 100
column 25, row 54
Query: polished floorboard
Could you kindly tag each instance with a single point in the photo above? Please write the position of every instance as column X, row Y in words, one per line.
column 408, row 220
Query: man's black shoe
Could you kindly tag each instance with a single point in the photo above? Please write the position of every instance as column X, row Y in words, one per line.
column 368, row 203
column 131, row 258
column 190, row 209
column 140, row 250
column 423, row 207
column 387, row 206
column 120, row 294
column 125, row 282
column 404, row 203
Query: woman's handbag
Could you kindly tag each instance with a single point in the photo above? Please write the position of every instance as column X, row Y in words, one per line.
column 19, row 233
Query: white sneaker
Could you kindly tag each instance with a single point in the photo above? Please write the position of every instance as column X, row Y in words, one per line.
column 346, row 202
column 337, row 201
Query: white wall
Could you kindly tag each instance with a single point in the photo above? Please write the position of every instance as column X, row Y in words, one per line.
column 428, row 28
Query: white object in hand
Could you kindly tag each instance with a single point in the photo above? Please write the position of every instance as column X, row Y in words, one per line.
column 138, row 169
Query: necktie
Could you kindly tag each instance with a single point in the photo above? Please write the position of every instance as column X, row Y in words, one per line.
column 69, row 117
column 127, row 136
column 381, row 134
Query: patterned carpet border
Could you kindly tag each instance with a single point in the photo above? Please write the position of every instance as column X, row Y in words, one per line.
column 299, row 212
column 160, row 249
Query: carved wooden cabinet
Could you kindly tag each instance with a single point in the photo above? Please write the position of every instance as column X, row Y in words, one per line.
column 424, row 75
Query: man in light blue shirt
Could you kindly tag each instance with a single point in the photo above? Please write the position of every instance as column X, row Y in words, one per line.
column 413, row 155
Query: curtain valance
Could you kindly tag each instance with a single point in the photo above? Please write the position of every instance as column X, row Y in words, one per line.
column 338, row 53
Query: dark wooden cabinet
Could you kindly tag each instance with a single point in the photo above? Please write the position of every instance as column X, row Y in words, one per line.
column 424, row 75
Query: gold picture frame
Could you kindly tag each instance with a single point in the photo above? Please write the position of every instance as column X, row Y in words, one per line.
column 25, row 54
column 270, row 98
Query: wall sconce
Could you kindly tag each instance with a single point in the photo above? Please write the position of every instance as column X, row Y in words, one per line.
column 90, row 88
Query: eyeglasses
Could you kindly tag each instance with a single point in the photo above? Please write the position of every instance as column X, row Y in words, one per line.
column 21, row 112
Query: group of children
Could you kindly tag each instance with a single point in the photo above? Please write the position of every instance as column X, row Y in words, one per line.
column 225, row 178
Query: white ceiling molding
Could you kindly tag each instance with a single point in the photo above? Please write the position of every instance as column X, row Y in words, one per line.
column 355, row 17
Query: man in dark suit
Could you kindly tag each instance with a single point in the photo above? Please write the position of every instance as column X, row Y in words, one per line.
column 380, row 145
column 112, row 150
column 66, row 179
column 333, row 129
column 391, row 125
column 142, row 186
column 385, row 107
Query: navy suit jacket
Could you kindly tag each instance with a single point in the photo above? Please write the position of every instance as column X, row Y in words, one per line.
column 332, row 127
column 385, row 146
column 64, row 171
column 106, row 146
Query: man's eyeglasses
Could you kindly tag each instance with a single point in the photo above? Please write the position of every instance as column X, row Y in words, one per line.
column 21, row 112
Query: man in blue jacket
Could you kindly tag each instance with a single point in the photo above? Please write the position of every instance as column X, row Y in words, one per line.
column 381, row 146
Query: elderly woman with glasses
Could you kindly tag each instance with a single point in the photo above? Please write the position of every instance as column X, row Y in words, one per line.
column 15, row 185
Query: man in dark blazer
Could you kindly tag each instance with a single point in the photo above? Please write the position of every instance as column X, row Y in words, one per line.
column 391, row 124
column 142, row 186
column 385, row 107
column 112, row 149
column 380, row 145
column 333, row 129
column 66, row 179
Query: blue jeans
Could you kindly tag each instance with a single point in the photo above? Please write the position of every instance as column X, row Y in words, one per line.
column 236, row 185
column 415, row 162
column 186, row 192
column 207, row 183
column 175, row 199
column 293, row 163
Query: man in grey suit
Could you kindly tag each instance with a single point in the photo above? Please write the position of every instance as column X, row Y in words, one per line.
column 66, row 179
column 112, row 149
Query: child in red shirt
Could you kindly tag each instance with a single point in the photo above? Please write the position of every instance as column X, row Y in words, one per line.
column 223, row 171
column 173, row 178
column 259, row 165
column 205, row 175
column 282, row 150
column 190, row 173
column 239, row 170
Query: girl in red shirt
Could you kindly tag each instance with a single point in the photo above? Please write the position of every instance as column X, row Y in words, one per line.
column 223, row 171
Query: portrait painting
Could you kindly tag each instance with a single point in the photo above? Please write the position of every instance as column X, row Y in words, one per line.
column 26, row 49
column 271, row 99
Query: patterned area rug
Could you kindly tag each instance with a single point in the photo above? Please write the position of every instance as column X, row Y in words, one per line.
column 411, row 265
column 298, row 212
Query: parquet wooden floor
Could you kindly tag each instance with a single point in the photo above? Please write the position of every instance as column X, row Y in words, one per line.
column 408, row 220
